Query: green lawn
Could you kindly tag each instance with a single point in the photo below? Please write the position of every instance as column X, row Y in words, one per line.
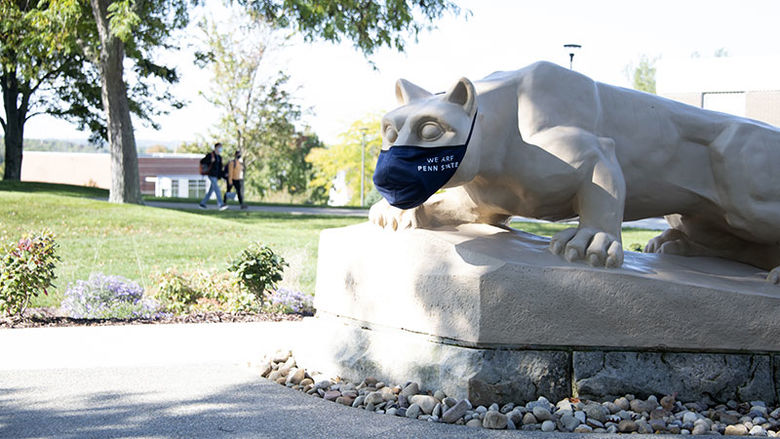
column 135, row 241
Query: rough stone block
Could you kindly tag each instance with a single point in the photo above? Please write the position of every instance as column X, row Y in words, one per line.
column 485, row 286
column 776, row 364
column 607, row 375
column 338, row 347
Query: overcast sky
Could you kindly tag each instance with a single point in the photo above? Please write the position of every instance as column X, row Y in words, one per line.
column 340, row 86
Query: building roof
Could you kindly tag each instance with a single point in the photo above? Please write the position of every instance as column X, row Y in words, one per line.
column 722, row 74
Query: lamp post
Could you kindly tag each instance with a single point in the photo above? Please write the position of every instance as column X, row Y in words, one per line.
column 572, row 49
column 362, row 164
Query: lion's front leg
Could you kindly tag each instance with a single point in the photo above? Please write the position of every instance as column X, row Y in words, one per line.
column 598, row 201
column 386, row 216
column 449, row 208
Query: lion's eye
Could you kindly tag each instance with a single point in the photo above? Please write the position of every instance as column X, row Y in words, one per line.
column 431, row 131
column 390, row 133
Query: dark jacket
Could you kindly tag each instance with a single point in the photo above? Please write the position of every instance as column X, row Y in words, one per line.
column 215, row 166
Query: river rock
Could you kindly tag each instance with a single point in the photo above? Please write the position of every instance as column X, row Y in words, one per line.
column 331, row 395
column 736, row 430
column 569, row 422
column 426, row 402
column 411, row 389
column 476, row 422
column 455, row 412
column 413, row 411
column 494, row 420
column 627, row 426
column 596, row 411
column 541, row 413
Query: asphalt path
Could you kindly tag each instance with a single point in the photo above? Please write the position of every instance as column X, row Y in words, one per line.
column 179, row 381
column 649, row 223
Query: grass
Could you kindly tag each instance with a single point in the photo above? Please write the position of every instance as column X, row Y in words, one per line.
column 136, row 241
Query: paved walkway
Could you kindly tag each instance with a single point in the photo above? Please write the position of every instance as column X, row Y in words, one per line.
column 183, row 381
column 649, row 223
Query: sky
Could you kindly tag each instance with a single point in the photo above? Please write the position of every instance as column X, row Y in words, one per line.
column 339, row 86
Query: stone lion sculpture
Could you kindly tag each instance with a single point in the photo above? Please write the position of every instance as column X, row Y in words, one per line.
column 547, row 142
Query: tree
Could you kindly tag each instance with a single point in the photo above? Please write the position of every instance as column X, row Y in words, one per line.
column 258, row 112
column 345, row 157
column 133, row 28
column 136, row 26
column 368, row 24
column 38, row 50
column 643, row 75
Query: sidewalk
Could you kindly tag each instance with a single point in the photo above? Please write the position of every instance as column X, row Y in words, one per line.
column 648, row 223
column 188, row 381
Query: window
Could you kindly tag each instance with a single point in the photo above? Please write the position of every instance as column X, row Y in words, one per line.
column 175, row 187
column 197, row 188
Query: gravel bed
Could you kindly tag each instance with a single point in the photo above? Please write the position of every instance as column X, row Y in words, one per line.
column 51, row 317
column 626, row 414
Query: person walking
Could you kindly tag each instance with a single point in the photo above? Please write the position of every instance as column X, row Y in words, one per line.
column 235, row 179
column 211, row 165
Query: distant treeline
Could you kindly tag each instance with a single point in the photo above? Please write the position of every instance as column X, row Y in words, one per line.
column 60, row 146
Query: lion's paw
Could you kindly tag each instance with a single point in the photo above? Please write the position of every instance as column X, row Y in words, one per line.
column 670, row 241
column 597, row 248
column 388, row 217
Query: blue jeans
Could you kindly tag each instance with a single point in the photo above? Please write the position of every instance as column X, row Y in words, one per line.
column 213, row 189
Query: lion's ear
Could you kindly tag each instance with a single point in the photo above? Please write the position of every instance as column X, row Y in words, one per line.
column 406, row 92
column 464, row 94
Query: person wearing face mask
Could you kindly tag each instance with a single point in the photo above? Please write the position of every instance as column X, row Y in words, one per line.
column 235, row 179
column 213, row 161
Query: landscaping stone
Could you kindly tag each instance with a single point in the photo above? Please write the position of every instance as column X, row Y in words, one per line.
column 425, row 402
column 600, row 375
column 413, row 411
column 455, row 412
column 548, row 426
column 494, row 420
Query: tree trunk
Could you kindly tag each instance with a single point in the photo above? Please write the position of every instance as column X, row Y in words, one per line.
column 125, row 182
column 14, row 126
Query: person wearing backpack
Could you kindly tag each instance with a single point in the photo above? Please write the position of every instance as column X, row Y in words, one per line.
column 211, row 166
column 234, row 172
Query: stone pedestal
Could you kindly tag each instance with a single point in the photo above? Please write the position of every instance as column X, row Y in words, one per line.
column 490, row 314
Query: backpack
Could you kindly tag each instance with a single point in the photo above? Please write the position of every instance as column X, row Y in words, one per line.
column 205, row 164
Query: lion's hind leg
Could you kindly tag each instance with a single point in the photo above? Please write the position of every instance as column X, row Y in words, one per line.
column 693, row 236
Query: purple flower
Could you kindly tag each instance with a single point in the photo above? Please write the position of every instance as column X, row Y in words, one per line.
column 103, row 297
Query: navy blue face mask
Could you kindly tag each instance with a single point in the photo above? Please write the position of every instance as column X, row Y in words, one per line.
column 407, row 175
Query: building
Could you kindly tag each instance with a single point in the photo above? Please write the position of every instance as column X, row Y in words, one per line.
column 162, row 175
column 743, row 86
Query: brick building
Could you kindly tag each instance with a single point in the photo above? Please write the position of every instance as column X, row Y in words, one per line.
column 744, row 86
column 162, row 175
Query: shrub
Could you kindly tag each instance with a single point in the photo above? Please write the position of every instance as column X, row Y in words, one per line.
column 291, row 302
column 199, row 291
column 258, row 269
column 636, row 247
column 26, row 269
column 174, row 291
column 108, row 297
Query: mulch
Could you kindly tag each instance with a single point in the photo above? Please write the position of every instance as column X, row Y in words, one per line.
column 49, row 317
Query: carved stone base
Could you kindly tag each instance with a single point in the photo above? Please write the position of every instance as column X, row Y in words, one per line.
column 491, row 311
column 341, row 347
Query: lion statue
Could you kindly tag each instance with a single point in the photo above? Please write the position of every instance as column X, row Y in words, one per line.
column 547, row 142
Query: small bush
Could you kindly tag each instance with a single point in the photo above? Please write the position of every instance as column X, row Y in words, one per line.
column 26, row 269
column 291, row 302
column 108, row 297
column 200, row 291
column 258, row 269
